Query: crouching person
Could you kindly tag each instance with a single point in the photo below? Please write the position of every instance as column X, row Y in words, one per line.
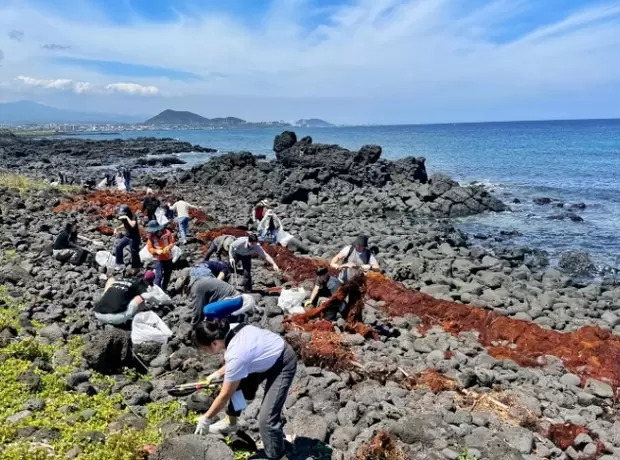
column 65, row 248
column 251, row 356
column 215, row 299
column 122, row 299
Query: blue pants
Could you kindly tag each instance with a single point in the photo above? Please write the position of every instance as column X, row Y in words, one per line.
column 134, row 247
column 128, row 184
column 183, row 227
column 271, row 233
column 163, row 271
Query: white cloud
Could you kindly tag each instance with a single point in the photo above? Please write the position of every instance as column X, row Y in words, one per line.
column 80, row 87
column 419, row 54
column 132, row 88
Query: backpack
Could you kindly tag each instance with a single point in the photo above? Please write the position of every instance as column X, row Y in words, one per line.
column 365, row 255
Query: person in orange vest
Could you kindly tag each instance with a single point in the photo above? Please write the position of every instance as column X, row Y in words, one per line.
column 160, row 243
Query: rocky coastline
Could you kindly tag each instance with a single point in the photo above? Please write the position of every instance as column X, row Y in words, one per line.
column 455, row 352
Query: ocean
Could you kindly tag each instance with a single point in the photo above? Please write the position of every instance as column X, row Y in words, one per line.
column 570, row 161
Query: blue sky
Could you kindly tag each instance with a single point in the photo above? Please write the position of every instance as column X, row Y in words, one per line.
column 350, row 61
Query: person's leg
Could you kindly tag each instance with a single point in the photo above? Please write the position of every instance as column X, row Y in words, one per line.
column 119, row 318
column 77, row 256
column 183, row 228
column 136, row 263
column 246, row 263
column 279, row 381
column 122, row 243
column 62, row 255
column 159, row 272
column 166, row 267
column 248, row 386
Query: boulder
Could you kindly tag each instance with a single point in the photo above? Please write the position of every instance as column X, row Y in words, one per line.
column 108, row 351
column 193, row 447
column 576, row 262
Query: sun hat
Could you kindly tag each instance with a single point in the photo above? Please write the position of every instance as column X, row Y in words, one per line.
column 153, row 226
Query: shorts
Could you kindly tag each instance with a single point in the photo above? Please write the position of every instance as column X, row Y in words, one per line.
column 119, row 318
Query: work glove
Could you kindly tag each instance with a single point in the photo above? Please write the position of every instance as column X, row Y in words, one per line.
column 213, row 377
column 276, row 268
column 202, row 427
column 159, row 252
column 307, row 304
column 232, row 262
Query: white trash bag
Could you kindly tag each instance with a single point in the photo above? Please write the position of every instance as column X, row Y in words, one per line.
column 105, row 259
column 160, row 216
column 103, row 184
column 284, row 237
column 146, row 256
column 156, row 295
column 291, row 301
column 148, row 327
column 120, row 183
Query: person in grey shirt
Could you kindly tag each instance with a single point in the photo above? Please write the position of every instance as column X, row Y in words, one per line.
column 242, row 250
column 205, row 291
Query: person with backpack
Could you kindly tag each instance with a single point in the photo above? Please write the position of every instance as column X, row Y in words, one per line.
column 251, row 356
column 355, row 259
column 160, row 243
column 121, row 300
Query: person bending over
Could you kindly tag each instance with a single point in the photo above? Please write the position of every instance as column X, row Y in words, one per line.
column 121, row 300
column 251, row 356
column 65, row 248
column 324, row 286
column 220, row 246
column 215, row 299
column 160, row 243
column 355, row 259
column 242, row 250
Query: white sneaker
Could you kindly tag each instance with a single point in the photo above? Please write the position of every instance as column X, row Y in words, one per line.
column 223, row 427
column 119, row 268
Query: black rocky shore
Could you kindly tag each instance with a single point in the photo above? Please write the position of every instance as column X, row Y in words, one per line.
column 326, row 196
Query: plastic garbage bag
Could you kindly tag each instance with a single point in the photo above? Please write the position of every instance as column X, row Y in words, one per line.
column 284, row 237
column 156, row 295
column 120, row 183
column 103, row 184
column 105, row 259
column 146, row 256
column 160, row 216
column 291, row 301
column 148, row 327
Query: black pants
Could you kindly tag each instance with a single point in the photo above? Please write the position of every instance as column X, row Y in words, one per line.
column 278, row 381
column 246, row 263
column 212, row 249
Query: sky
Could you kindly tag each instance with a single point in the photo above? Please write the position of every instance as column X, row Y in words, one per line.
column 345, row 61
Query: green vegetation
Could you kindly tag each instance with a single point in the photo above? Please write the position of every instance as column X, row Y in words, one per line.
column 25, row 184
column 466, row 456
column 68, row 421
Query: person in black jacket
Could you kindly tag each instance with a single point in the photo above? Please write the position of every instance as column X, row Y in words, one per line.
column 150, row 205
column 65, row 248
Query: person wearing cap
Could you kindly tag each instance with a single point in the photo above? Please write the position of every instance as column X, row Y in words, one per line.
column 270, row 225
column 242, row 249
column 121, row 300
column 160, row 243
column 131, row 238
column 355, row 259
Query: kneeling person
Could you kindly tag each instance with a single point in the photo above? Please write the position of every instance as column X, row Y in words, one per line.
column 121, row 300
column 214, row 299
column 324, row 286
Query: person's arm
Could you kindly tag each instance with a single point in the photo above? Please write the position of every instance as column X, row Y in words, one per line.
column 172, row 243
column 228, row 388
column 197, row 304
column 152, row 249
column 335, row 262
column 144, row 205
column 315, row 292
column 372, row 264
column 132, row 223
column 232, row 252
column 261, row 253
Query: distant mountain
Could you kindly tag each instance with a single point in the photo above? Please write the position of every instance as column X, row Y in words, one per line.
column 182, row 118
column 313, row 123
column 29, row 112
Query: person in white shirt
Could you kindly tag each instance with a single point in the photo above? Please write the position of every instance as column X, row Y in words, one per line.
column 355, row 259
column 181, row 208
column 251, row 356
column 269, row 226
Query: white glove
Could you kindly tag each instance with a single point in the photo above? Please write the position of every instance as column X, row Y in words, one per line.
column 202, row 427
column 212, row 377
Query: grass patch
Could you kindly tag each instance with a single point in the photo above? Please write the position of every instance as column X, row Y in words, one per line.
column 9, row 310
column 34, row 132
column 25, row 183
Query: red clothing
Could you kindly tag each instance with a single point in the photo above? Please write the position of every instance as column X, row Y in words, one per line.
column 164, row 242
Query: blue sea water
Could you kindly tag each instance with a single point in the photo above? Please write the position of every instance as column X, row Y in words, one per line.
column 571, row 161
